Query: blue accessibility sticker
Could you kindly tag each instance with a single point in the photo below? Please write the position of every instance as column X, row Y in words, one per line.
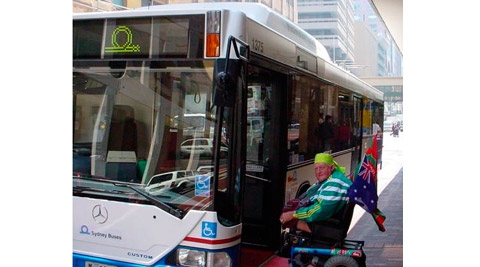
column 202, row 185
column 209, row 229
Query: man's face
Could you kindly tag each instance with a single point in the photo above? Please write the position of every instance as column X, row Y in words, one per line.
column 323, row 171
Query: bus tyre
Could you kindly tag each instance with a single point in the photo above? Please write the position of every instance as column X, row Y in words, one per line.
column 343, row 261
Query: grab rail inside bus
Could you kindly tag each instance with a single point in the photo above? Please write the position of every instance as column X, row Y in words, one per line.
column 258, row 178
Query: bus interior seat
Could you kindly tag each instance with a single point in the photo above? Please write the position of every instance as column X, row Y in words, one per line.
column 123, row 129
column 122, row 137
column 81, row 158
column 122, row 165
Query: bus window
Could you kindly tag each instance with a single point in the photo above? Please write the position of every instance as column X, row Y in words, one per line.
column 257, row 116
column 306, row 103
column 115, row 121
column 343, row 126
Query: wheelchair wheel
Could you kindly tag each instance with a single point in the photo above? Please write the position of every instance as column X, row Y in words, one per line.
column 341, row 261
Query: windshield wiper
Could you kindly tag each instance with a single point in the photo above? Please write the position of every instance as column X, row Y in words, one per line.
column 81, row 189
column 91, row 177
column 174, row 211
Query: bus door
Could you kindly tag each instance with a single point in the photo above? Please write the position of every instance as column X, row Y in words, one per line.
column 263, row 197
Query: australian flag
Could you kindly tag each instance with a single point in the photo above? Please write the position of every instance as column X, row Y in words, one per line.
column 363, row 191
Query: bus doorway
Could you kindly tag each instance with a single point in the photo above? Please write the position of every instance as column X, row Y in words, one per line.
column 263, row 195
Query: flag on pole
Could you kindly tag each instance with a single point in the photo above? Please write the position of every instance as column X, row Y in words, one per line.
column 363, row 191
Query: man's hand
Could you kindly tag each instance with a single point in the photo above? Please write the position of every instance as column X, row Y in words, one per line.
column 286, row 216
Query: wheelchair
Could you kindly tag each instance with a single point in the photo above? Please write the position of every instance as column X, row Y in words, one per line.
column 326, row 245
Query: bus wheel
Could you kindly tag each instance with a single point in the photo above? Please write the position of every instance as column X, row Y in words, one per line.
column 341, row 261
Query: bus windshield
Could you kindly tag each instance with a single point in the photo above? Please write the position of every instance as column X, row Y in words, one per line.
column 134, row 126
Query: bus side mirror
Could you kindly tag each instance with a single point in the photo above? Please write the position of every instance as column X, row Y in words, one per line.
column 224, row 94
column 224, row 90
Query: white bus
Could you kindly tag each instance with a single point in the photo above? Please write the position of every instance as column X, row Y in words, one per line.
column 135, row 71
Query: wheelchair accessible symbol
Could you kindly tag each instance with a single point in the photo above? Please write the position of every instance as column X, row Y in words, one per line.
column 209, row 229
column 202, row 185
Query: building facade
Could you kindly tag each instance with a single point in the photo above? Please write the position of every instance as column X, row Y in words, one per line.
column 377, row 54
column 288, row 8
column 331, row 23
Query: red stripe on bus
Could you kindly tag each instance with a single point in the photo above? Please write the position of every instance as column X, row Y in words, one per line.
column 212, row 241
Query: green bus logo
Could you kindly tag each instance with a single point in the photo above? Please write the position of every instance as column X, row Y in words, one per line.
column 127, row 46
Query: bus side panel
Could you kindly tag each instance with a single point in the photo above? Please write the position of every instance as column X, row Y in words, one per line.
column 298, row 180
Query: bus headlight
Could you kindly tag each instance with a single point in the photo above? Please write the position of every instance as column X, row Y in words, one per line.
column 197, row 258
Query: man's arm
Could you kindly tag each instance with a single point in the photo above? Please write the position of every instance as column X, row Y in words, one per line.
column 332, row 195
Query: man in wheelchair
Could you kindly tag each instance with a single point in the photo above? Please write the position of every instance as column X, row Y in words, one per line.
column 323, row 199
column 320, row 218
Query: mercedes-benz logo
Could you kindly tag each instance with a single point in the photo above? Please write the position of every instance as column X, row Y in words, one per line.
column 100, row 214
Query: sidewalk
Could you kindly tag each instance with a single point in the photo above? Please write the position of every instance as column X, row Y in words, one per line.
column 384, row 248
